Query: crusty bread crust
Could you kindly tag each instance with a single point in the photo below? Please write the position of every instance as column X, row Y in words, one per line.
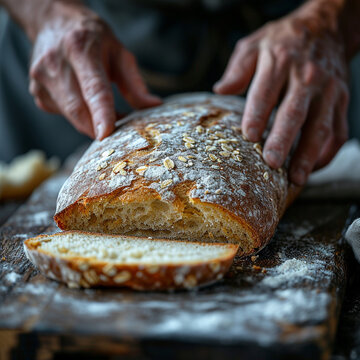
column 78, row 271
column 212, row 170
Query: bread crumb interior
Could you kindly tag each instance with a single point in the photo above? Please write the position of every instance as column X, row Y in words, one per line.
column 131, row 250
column 161, row 219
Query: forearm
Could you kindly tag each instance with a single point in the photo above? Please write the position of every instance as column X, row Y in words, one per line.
column 339, row 17
column 75, row 58
column 32, row 14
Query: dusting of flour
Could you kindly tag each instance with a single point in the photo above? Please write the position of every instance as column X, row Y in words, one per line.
column 11, row 277
column 293, row 271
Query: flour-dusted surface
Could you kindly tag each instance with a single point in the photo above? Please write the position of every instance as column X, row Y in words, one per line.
column 284, row 301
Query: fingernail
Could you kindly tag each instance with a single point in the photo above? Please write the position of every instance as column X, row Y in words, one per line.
column 252, row 134
column 298, row 176
column 273, row 158
column 100, row 131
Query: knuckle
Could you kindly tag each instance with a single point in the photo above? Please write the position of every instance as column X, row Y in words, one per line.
column 48, row 62
column 313, row 72
column 243, row 45
column 324, row 129
column 35, row 72
column 82, row 38
column 75, row 40
column 50, row 58
column 281, row 54
column 96, row 88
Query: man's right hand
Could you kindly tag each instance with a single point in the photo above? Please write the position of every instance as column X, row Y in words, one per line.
column 75, row 58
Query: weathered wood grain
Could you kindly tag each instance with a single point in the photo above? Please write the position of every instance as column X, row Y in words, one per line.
column 285, row 302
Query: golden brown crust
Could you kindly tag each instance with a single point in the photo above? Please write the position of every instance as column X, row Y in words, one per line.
column 240, row 185
column 87, row 272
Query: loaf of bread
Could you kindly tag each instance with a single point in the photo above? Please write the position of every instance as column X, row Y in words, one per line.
column 182, row 170
column 26, row 172
column 86, row 259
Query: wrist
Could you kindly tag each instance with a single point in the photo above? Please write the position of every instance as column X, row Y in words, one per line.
column 336, row 18
column 34, row 15
column 322, row 16
column 58, row 14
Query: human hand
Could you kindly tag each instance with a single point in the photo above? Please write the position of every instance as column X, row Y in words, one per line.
column 75, row 58
column 302, row 57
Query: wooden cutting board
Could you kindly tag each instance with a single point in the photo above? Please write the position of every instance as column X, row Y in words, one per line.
column 284, row 302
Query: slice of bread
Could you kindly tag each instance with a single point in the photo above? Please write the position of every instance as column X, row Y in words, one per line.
column 82, row 259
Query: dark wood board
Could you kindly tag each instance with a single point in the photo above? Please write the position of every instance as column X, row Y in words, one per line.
column 284, row 303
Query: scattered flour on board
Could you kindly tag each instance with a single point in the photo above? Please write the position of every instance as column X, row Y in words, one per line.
column 294, row 270
column 11, row 277
column 21, row 236
column 39, row 218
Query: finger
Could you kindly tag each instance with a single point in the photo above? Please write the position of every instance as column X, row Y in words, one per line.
column 240, row 70
column 96, row 92
column 62, row 94
column 271, row 74
column 340, row 132
column 317, row 130
column 42, row 98
column 288, row 120
column 67, row 94
column 129, row 81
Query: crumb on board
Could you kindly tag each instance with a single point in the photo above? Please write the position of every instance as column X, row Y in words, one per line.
column 257, row 268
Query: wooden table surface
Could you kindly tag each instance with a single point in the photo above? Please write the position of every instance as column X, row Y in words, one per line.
column 284, row 303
